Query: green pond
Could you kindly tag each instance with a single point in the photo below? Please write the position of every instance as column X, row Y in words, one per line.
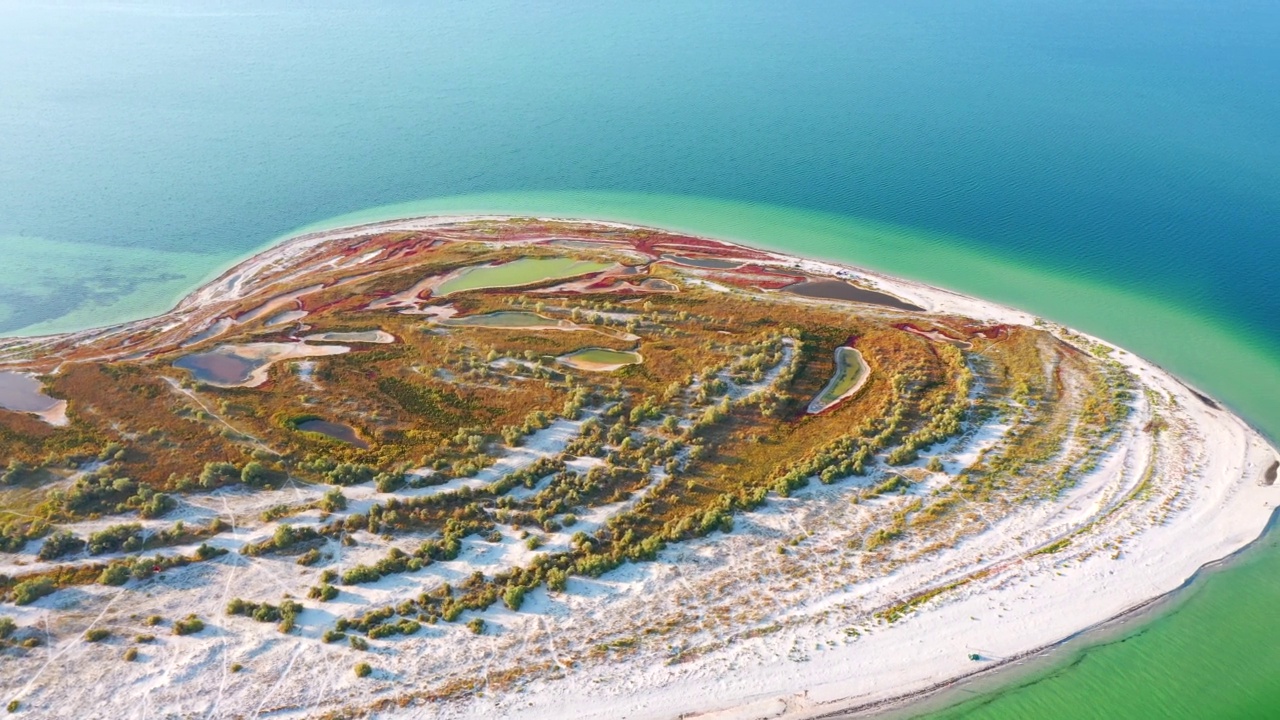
column 504, row 319
column 588, row 358
column 848, row 372
column 525, row 271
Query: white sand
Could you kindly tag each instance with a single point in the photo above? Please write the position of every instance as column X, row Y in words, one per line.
column 815, row 648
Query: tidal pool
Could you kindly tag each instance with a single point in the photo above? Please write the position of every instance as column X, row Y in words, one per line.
column 337, row 431
column 600, row 359
column 525, row 271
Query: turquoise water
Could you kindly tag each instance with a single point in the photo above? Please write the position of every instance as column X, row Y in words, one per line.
column 1112, row 165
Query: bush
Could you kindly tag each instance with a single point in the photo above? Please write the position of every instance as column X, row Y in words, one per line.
column 360, row 574
column 514, row 597
column 363, row 669
column 94, row 635
column 476, row 625
column 114, row 574
column 333, row 501
column 310, row 557
column 28, row 591
column 7, row 627
column 357, row 642
column 59, row 544
column 217, row 474
column 153, row 620
column 131, row 654
column 188, row 625
column 323, row 593
column 207, row 551
column 115, row 538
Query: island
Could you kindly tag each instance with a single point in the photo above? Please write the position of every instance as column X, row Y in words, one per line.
column 548, row 468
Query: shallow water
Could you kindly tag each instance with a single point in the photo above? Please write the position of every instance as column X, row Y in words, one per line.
column 20, row 392
column 841, row 290
column 504, row 319
column 337, row 431
column 218, row 367
column 525, row 271
column 599, row 359
column 847, row 373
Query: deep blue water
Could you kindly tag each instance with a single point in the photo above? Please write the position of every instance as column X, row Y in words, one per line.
column 1138, row 141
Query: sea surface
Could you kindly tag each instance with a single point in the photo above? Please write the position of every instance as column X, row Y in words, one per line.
column 1111, row 165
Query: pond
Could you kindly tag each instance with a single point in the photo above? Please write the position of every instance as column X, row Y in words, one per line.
column 841, row 290
column 525, row 271
column 337, row 431
column 508, row 319
column 600, row 359
column 21, row 392
column 703, row 262
column 380, row 337
column 850, row 374
column 246, row 365
column 219, row 367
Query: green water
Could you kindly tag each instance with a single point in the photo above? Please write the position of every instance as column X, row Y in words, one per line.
column 525, row 271
column 601, row 356
column 505, row 319
column 848, row 370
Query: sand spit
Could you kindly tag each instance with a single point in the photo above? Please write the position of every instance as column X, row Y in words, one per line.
column 1153, row 512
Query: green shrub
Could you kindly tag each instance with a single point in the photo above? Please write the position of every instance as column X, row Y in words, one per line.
column 363, row 669
column 116, row 538
column 59, row 544
column 28, row 591
column 188, row 625
column 476, row 625
column 94, row 635
column 131, row 654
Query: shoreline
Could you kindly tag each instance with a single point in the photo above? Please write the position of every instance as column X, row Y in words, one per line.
column 934, row 299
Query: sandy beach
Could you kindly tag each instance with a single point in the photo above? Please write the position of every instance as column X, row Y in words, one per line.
column 1154, row 511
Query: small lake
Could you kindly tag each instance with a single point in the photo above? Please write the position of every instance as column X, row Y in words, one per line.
column 380, row 337
column 703, row 262
column 600, row 359
column 20, row 392
column 525, row 271
column 841, row 290
column 851, row 370
column 337, row 431
column 505, row 319
column 218, row 367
